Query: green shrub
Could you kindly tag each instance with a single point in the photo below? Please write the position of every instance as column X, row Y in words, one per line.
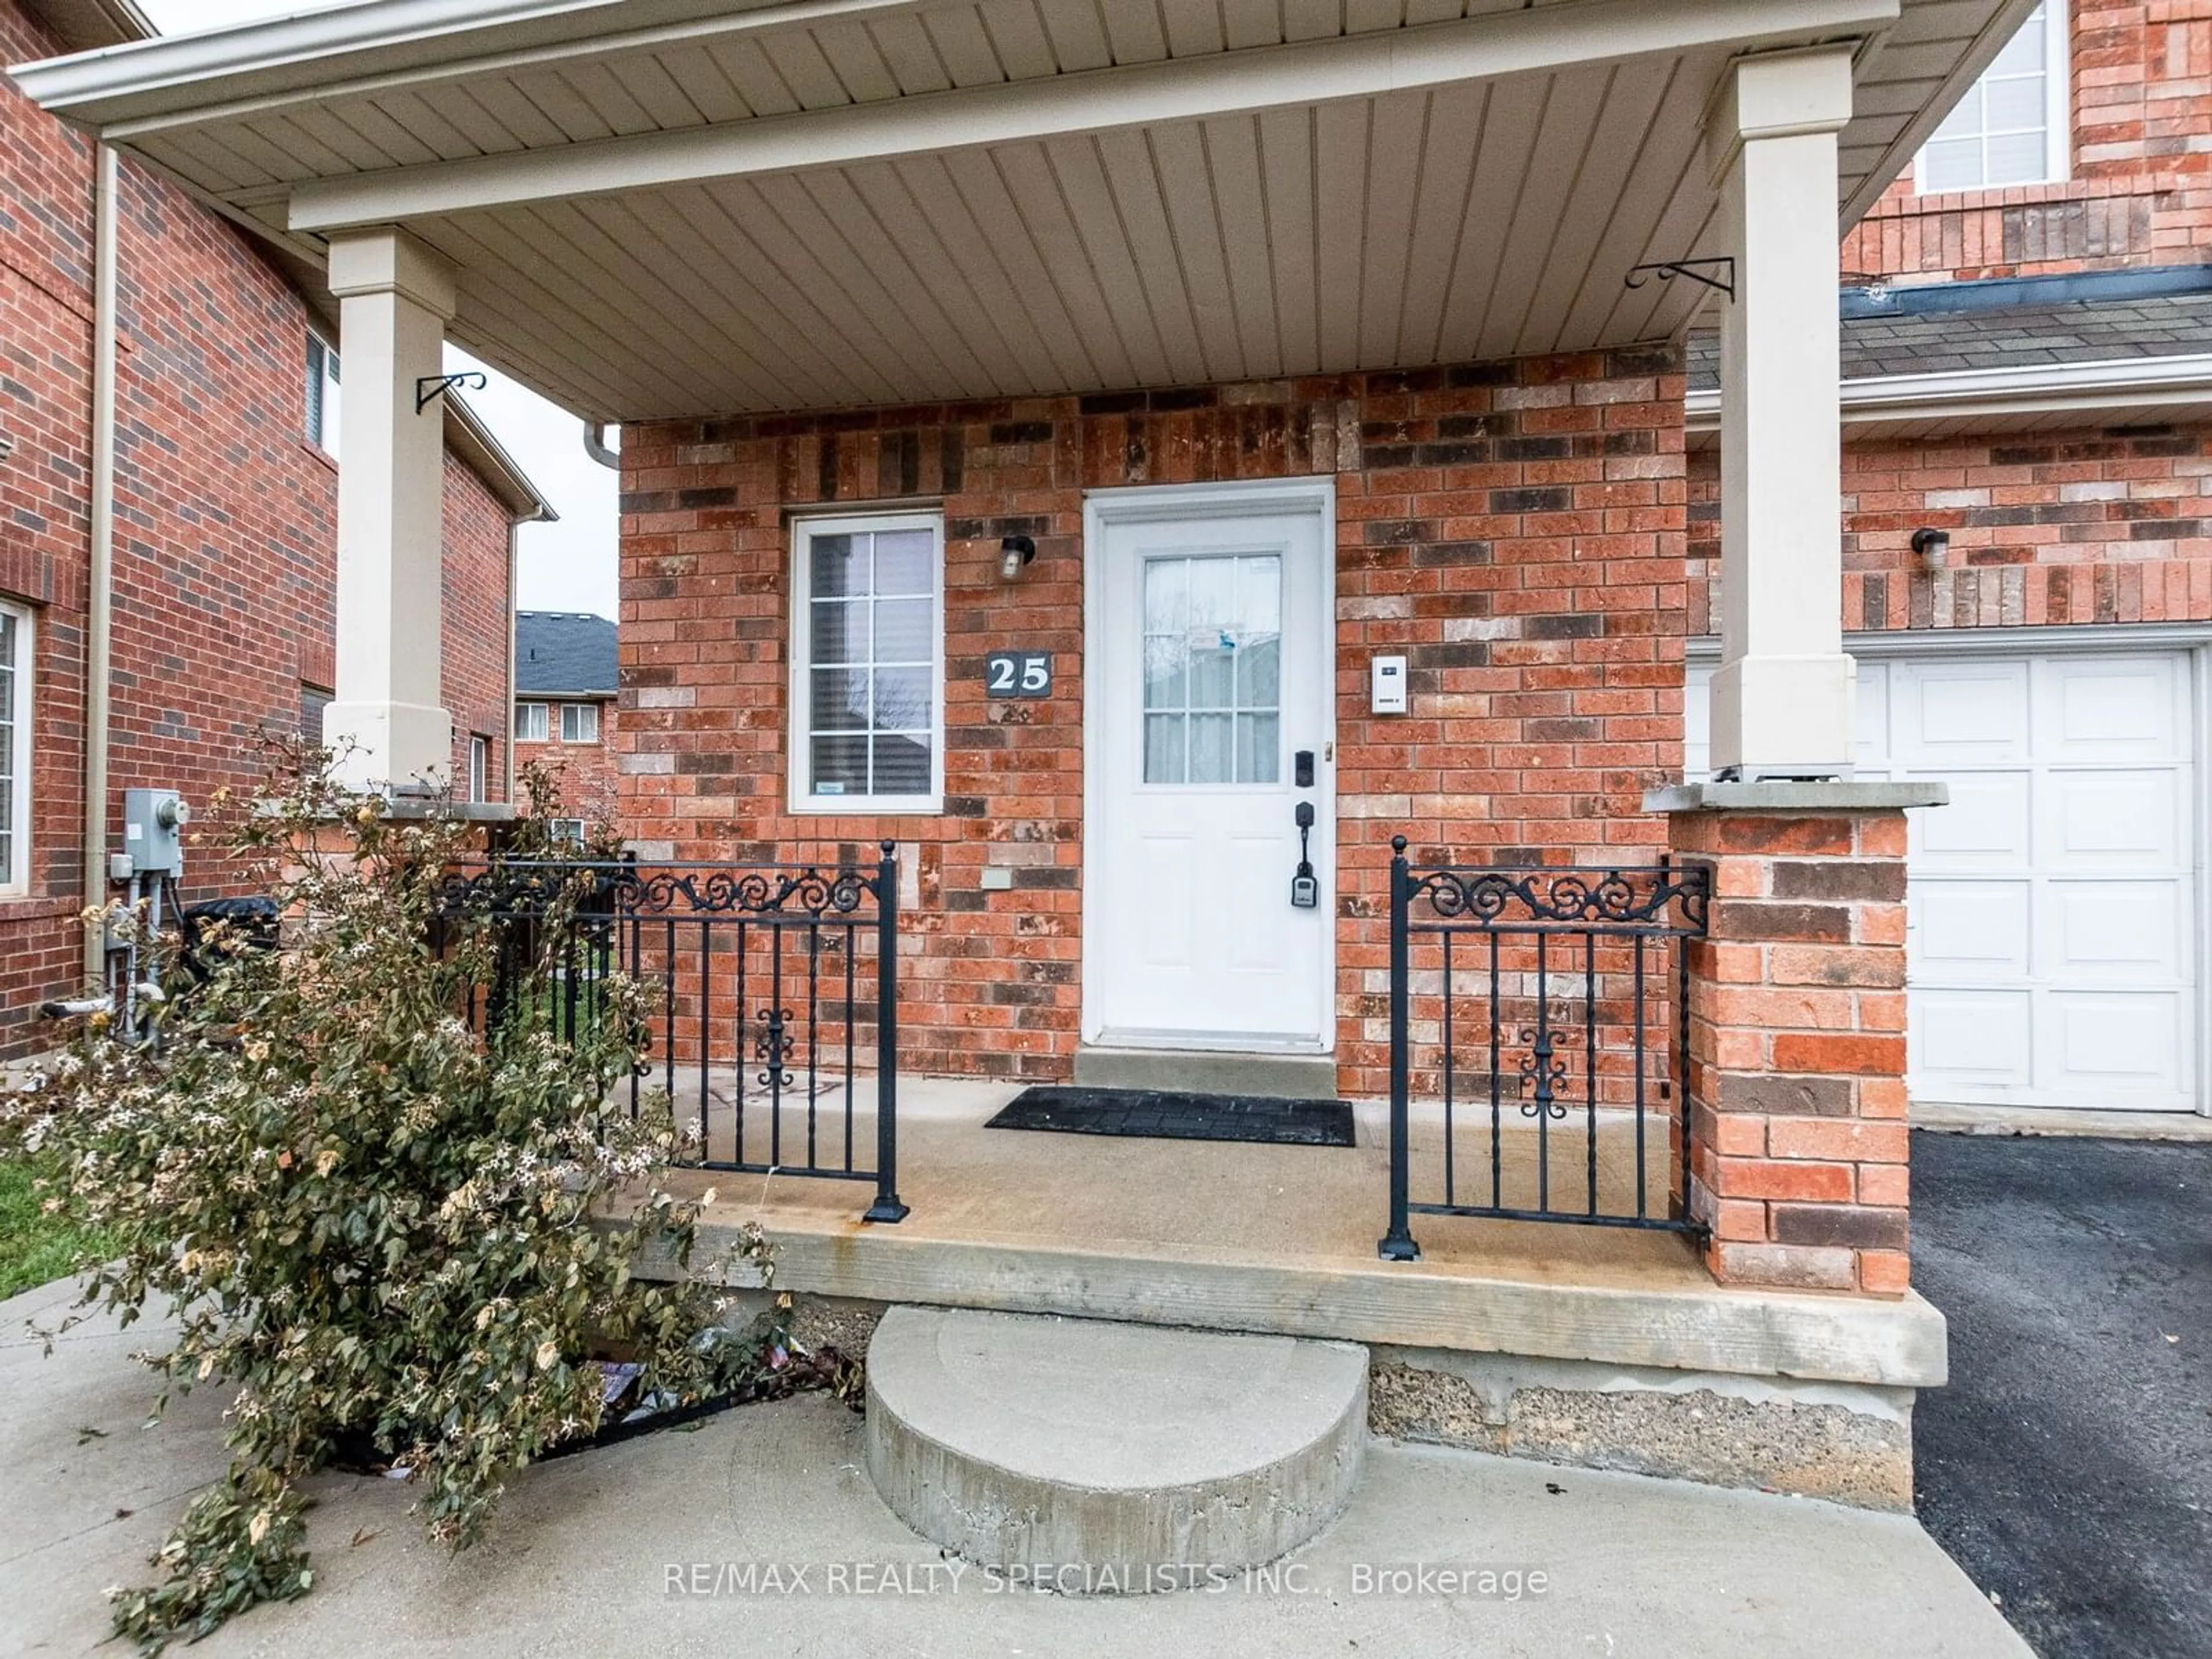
column 389, row 1222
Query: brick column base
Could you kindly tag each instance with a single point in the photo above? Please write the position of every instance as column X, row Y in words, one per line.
column 1798, row 1142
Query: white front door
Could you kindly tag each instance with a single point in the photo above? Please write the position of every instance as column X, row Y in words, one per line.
column 1207, row 724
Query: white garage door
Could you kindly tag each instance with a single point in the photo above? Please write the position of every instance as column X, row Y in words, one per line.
column 2053, row 917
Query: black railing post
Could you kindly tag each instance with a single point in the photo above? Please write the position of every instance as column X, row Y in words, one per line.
column 1397, row 1244
column 887, row 1207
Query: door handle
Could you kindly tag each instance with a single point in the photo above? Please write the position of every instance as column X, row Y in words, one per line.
column 1305, row 890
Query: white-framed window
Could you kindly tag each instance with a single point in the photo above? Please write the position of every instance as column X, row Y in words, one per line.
column 479, row 767
column 2015, row 124
column 530, row 722
column 322, row 394
column 867, row 663
column 568, row 832
column 15, row 642
column 314, row 703
column 580, row 722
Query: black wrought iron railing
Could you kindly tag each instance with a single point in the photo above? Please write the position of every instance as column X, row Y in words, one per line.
column 1539, row 1041
column 775, row 1023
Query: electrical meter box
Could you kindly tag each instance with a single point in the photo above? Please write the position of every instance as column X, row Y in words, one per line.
column 153, row 832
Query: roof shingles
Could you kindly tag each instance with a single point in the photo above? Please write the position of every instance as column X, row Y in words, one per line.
column 2091, row 331
column 564, row 654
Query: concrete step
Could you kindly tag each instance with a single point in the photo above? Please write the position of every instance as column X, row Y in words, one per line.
column 1208, row 1072
column 1120, row 1458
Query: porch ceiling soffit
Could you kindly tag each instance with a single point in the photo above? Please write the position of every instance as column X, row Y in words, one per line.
column 906, row 200
column 1491, row 46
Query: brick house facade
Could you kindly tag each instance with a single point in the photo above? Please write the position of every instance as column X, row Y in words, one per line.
column 2139, row 187
column 225, row 514
column 2095, row 522
column 2025, row 374
column 568, row 661
column 1512, row 529
column 944, row 395
column 585, row 772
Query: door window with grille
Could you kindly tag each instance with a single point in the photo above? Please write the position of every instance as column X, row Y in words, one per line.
column 1214, row 648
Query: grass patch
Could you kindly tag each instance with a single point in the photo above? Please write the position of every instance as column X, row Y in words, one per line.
column 34, row 1247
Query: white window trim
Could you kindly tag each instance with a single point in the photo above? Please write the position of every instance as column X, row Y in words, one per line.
column 327, row 426
column 479, row 768
column 2057, row 111
column 16, row 876
column 545, row 719
column 799, row 799
column 581, row 709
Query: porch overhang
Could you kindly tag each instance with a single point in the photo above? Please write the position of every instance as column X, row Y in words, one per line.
column 691, row 207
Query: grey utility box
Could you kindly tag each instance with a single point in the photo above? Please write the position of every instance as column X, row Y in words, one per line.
column 153, row 832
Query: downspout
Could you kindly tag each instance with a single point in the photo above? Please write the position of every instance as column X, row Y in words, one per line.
column 100, row 624
column 514, row 576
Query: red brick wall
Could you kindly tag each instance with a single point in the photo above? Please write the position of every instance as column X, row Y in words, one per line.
column 477, row 638
column 2140, row 189
column 46, row 374
column 1515, row 529
column 586, row 771
column 1799, row 1144
column 2084, row 527
column 225, row 517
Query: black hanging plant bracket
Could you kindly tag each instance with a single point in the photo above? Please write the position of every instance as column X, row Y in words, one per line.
column 432, row 387
column 1719, row 273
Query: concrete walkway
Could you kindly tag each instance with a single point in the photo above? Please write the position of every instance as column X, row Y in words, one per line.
column 587, row 1548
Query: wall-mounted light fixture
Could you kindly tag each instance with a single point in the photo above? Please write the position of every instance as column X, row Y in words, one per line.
column 1014, row 552
column 1933, row 546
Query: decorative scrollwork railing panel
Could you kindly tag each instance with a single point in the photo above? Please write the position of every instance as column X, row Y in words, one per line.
column 774, row 1030
column 1537, row 1034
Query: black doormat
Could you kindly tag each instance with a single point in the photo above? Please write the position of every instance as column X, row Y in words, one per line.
column 1171, row 1114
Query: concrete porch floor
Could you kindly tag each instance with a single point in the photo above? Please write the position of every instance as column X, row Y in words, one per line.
column 1282, row 1239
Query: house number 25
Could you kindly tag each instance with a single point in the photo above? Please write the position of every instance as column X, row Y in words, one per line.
column 1017, row 673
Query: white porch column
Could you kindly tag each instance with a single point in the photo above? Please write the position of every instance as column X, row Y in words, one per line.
column 395, row 297
column 1782, row 702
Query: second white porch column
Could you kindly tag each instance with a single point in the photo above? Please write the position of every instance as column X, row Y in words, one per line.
column 395, row 297
column 1782, row 702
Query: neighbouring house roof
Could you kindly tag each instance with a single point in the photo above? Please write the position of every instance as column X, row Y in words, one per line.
column 564, row 654
column 2014, row 356
column 468, row 437
column 1954, row 327
column 678, row 207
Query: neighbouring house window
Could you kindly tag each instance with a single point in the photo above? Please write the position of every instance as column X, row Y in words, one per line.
column 568, row 831
column 314, row 703
column 530, row 722
column 15, row 748
column 580, row 722
column 322, row 395
column 867, row 664
column 2013, row 127
column 479, row 767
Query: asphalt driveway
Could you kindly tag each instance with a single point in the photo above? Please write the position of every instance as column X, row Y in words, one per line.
column 2067, row 1467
